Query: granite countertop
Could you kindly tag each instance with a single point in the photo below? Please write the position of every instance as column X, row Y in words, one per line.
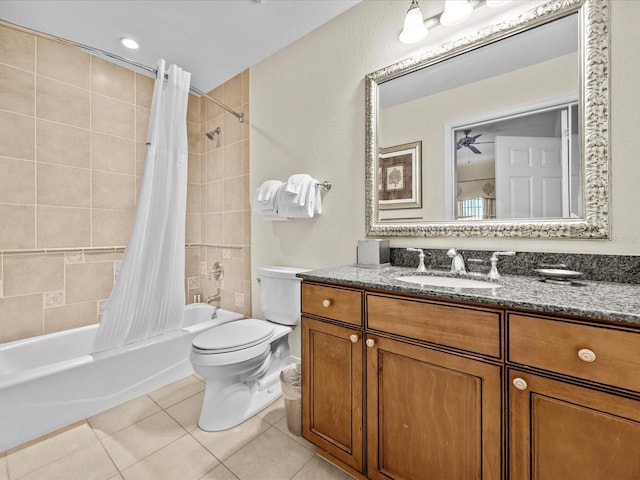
column 605, row 301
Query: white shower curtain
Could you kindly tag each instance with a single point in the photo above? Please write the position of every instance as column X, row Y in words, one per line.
column 148, row 297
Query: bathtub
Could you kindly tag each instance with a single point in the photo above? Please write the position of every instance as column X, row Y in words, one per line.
column 51, row 381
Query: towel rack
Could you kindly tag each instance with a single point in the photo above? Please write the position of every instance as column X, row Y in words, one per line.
column 326, row 185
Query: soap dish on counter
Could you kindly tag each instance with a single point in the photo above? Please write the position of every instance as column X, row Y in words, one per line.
column 557, row 275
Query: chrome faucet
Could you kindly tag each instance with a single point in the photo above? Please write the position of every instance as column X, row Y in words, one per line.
column 457, row 264
column 421, row 255
column 493, row 273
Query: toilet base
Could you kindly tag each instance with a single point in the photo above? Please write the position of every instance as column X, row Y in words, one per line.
column 243, row 409
column 228, row 402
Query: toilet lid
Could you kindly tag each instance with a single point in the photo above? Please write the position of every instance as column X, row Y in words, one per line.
column 234, row 336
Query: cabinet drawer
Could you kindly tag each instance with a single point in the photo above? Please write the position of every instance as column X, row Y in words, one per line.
column 557, row 346
column 335, row 303
column 475, row 330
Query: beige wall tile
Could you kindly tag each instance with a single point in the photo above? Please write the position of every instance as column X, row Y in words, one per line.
column 194, row 137
column 233, row 160
column 20, row 317
column 70, row 316
column 215, row 232
column 17, row 49
column 17, row 228
column 112, row 116
column 233, row 275
column 17, row 181
column 17, row 90
column 246, row 156
column 62, row 62
column 63, row 186
column 211, row 109
column 193, row 228
column 246, row 125
column 214, row 165
column 212, row 126
column 194, row 169
column 233, row 92
column 246, row 197
column 111, row 227
column 89, row 281
column 105, row 256
column 62, row 144
column 231, row 129
column 141, row 151
column 192, row 261
column 62, row 103
column 112, row 80
column 18, row 136
column 193, row 109
column 144, row 90
column 233, row 194
column 194, row 198
column 142, row 123
column 25, row 274
column 63, row 227
column 113, row 154
column 112, row 190
column 233, row 228
column 215, row 196
column 246, row 233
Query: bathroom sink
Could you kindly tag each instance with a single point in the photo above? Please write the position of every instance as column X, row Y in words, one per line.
column 452, row 282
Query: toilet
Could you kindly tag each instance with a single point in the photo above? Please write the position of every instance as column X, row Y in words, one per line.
column 241, row 360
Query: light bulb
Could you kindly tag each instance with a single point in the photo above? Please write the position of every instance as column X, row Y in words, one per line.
column 414, row 29
column 455, row 12
column 129, row 43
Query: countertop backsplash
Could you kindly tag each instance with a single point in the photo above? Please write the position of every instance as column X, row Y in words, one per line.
column 604, row 268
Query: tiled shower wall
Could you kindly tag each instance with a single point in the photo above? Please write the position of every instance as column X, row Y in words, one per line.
column 72, row 133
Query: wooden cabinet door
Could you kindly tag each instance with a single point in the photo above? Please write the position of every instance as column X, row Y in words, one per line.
column 332, row 389
column 431, row 415
column 561, row 431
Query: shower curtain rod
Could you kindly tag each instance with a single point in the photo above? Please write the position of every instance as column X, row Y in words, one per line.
column 103, row 53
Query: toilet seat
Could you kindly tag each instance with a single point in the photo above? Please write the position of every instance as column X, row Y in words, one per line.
column 233, row 336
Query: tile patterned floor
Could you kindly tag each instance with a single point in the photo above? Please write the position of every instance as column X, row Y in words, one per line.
column 156, row 437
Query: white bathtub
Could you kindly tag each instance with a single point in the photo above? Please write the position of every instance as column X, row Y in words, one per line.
column 51, row 381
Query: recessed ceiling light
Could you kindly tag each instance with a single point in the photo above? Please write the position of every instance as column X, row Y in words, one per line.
column 129, row 43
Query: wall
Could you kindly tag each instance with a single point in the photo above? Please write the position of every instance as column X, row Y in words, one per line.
column 72, row 133
column 307, row 106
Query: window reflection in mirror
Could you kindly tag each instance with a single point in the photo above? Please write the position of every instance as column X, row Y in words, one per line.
column 525, row 165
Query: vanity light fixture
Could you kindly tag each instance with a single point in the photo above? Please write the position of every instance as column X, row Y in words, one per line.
column 129, row 43
column 414, row 28
column 455, row 12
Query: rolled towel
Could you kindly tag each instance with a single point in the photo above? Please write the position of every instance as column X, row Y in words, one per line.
column 267, row 190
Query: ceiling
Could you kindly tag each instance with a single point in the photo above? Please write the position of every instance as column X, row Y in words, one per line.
column 213, row 39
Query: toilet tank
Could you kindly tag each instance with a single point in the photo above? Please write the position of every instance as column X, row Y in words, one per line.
column 280, row 293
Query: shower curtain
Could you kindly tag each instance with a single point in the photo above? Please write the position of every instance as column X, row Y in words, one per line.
column 148, row 297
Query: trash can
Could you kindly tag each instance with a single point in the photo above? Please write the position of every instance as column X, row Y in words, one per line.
column 291, row 381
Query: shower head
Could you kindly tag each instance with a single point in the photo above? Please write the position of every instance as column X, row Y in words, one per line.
column 212, row 134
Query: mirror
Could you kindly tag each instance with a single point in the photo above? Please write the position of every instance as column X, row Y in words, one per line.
column 494, row 142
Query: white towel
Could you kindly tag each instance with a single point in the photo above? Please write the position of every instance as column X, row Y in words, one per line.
column 298, row 186
column 287, row 207
column 267, row 206
column 267, row 190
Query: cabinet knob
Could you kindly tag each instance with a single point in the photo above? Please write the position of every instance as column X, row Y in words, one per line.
column 586, row 355
column 520, row 383
column 354, row 338
column 370, row 342
column 326, row 303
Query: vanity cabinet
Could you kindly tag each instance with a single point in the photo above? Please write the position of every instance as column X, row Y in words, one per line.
column 574, row 413
column 434, row 406
column 431, row 414
column 333, row 375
